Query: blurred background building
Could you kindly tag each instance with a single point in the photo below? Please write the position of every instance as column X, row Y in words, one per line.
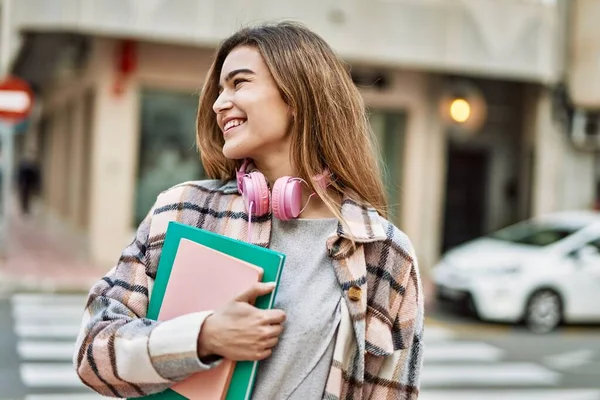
column 484, row 109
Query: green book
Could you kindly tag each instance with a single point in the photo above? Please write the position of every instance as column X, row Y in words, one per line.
column 244, row 374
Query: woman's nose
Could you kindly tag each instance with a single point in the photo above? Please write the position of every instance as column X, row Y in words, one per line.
column 222, row 103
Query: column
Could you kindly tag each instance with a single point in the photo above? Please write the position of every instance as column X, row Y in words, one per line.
column 563, row 177
column 77, row 161
column 424, row 188
column 547, row 175
column 114, row 147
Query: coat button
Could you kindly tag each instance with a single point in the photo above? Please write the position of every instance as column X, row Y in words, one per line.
column 354, row 293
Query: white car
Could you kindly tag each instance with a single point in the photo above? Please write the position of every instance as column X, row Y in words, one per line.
column 543, row 271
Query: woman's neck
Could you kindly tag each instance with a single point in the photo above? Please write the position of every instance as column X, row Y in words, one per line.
column 316, row 207
column 274, row 167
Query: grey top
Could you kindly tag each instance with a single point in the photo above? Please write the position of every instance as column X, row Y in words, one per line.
column 310, row 295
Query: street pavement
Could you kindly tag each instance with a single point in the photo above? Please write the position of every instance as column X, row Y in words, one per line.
column 464, row 359
column 469, row 360
column 36, row 348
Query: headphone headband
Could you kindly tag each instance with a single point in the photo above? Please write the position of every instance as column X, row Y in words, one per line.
column 323, row 179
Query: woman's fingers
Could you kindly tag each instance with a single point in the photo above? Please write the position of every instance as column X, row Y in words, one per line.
column 264, row 354
column 274, row 331
column 272, row 317
column 270, row 343
column 257, row 290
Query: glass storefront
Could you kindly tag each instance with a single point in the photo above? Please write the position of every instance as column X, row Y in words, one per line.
column 389, row 128
column 167, row 147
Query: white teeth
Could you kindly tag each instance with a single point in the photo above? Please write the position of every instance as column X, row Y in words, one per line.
column 232, row 123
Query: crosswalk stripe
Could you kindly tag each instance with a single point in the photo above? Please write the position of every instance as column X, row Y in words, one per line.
column 44, row 300
column 49, row 330
column 514, row 374
column 461, row 351
column 437, row 333
column 45, row 351
column 50, row 375
column 529, row 394
column 58, row 312
column 570, row 359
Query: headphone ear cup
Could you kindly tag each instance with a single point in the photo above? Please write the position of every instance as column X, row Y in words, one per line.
column 286, row 198
column 276, row 202
column 293, row 198
column 260, row 193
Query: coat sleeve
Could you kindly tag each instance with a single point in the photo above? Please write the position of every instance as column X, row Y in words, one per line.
column 397, row 374
column 411, row 319
column 119, row 352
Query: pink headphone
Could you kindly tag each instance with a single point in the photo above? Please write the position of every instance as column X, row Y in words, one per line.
column 286, row 197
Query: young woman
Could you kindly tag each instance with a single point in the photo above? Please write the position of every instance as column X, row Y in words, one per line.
column 278, row 115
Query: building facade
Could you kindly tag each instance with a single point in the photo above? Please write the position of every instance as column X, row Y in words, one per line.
column 118, row 85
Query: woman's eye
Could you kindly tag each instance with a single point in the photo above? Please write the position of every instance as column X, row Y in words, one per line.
column 238, row 81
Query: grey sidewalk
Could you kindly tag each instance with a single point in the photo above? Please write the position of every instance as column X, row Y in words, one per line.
column 40, row 259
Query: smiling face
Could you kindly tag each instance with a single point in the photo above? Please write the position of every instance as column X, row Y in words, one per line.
column 254, row 118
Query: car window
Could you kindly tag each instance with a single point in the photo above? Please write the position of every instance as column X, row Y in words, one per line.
column 594, row 243
column 533, row 234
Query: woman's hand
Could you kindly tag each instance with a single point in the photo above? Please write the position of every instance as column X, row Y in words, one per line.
column 240, row 331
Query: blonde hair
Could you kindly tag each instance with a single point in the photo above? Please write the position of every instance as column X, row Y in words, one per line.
column 330, row 128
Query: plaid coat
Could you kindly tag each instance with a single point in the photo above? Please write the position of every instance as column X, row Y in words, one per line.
column 379, row 346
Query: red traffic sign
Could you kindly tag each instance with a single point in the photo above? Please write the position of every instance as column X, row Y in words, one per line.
column 16, row 99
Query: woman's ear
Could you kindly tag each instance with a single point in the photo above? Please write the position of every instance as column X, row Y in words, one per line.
column 291, row 111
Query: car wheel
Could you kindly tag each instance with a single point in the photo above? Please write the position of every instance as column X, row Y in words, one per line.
column 544, row 311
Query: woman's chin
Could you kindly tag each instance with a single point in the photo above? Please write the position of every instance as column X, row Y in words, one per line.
column 234, row 152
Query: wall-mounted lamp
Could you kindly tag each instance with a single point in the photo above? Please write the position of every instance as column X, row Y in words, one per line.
column 460, row 110
column 463, row 107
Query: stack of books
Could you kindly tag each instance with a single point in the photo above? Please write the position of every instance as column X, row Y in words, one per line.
column 201, row 271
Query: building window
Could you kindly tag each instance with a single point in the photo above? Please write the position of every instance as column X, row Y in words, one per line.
column 167, row 149
column 389, row 128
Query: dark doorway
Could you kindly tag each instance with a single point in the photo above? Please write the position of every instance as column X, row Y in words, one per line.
column 464, row 214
